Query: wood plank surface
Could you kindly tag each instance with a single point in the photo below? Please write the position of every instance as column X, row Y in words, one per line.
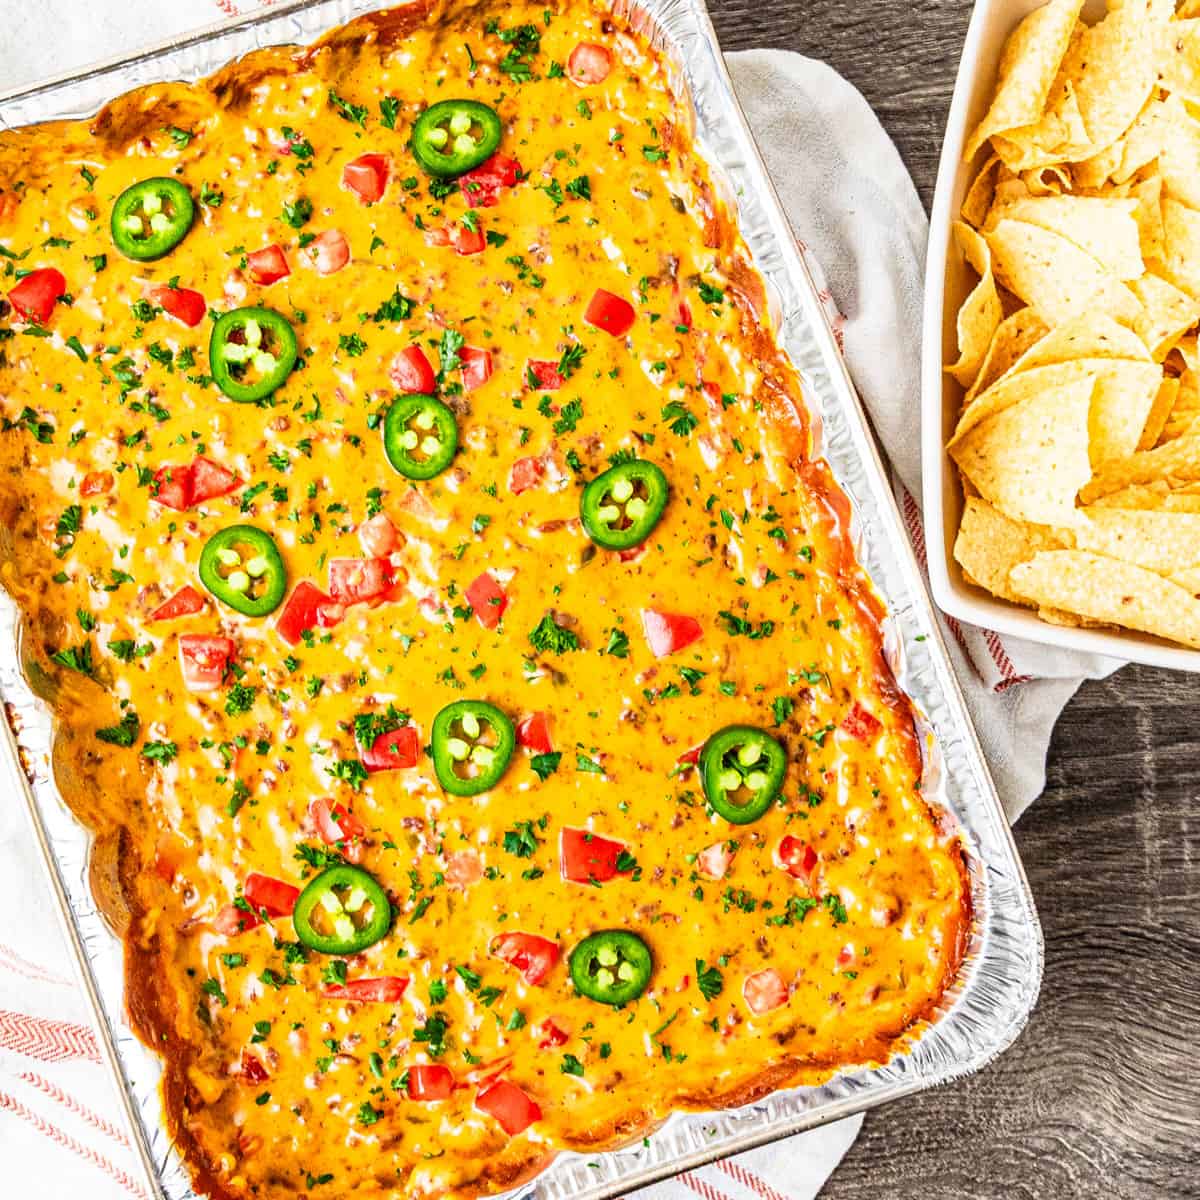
column 1100, row 1097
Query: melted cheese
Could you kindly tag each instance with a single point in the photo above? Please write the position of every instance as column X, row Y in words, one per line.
column 753, row 539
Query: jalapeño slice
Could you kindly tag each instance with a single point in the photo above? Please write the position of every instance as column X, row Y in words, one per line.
column 471, row 743
column 620, row 508
column 742, row 769
column 342, row 911
column 453, row 136
column 611, row 967
column 251, row 352
column 242, row 567
column 151, row 218
column 420, row 436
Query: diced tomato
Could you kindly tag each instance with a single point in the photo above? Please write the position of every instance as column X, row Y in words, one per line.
column 231, row 921
column 210, row 480
column 481, row 187
column 468, row 241
column 182, row 303
column 410, row 371
column 252, row 1069
column 611, row 313
column 550, row 1035
column 355, row 580
column 37, row 294
column 533, row 732
column 172, row 487
column 181, row 487
column 307, row 608
column 860, row 723
column 387, row 989
column 542, row 375
column 274, row 895
column 334, row 822
column 690, row 757
column 764, row 991
column 463, row 868
column 668, row 632
column 712, row 394
column 328, row 252
column 204, row 660
column 437, row 235
column 683, row 313
column 509, row 1105
column 588, row 858
column 185, row 602
column 797, row 857
column 524, row 474
column 367, row 176
column 430, row 1081
column 392, row 751
column 845, row 955
column 96, row 483
column 476, row 367
column 378, row 536
column 488, row 599
column 589, row 64
column 268, row 264
column 714, row 861
column 533, row 956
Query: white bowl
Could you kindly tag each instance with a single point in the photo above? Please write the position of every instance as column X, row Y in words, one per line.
column 948, row 281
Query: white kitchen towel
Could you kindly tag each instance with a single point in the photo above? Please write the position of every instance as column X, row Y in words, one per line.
column 856, row 213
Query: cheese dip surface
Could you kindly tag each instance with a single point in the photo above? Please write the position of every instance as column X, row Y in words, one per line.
column 459, row 655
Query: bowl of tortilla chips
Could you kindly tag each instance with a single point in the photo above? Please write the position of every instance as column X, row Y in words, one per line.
column 1061, row 363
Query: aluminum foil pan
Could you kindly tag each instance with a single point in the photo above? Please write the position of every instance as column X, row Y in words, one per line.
column 987, row 1006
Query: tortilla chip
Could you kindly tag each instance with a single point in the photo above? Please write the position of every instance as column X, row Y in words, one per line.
column 1105, row 79
column 1137, row 495
column 1089, row 335
column 1047, row 181
column 1181, row 246
column 1188, row 349
column 1157, row 540
column 978, row 200
column 1176, row 462
column 1185, row 411
column 1167, row 314
column 1028, row 67
column 1060, row 136
column 1179, row 155
column 1054, row 276
column 1011, row 340
column 981, row 313
column 1114, row 69
column 1138, row 146
column 1103, row 228
column 1178, row 57
column 1168, row 391
column 1124, row 395
column 989, row 545
column 1189, row 580
column 1148, row 215
column 1031, row 459
column 1104, row 589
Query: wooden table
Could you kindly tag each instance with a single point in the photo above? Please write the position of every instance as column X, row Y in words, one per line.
column 1100, row 1097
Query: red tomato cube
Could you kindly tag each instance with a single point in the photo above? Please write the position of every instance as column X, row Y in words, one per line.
column 367, row 176
column 268, row 264
column 488, row 599
column 611, row 313
column 668, row 632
